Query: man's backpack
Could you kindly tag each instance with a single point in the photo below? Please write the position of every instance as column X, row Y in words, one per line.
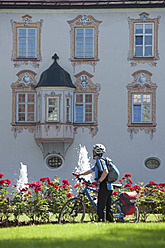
column 113, row 171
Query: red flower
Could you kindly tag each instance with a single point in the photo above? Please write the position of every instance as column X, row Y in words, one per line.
column 69, row 195
column 136, row 187
column 123, row 178
column 115, row 193
column 127, row 185
column 5, row 181
column 45, row 179
column 151, row 183
column 76, row 186
column 29, row 192
column 1, row 175
column 65, row 182
column 128, row 175
column 14, row 185
column 8, row 198
column 130, row 181
column 2, row 196
column 35, row 185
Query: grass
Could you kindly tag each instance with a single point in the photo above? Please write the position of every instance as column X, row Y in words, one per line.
column 93, row 235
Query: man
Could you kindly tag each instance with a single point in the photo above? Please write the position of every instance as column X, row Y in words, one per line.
column 105, row 188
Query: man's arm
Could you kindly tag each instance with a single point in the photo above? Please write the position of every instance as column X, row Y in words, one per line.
column 86, row 172
column 103, row 175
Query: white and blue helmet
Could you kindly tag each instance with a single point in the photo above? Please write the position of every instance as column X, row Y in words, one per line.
column 99, row 149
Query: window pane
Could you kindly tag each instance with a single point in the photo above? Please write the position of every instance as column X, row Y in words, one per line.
column 30, row 117
column 148, row 51
column 21, row 108
column 146, row 98
column 52, row 101
column 148, row 28
column 21, row 97
column 137, row 113
column 88, row 112
column 89, row 33
column 79, row 33
column 138, row 28
column 31, row 108
column 79, row 98
column 22, row 33
column 79, row 113
column 21, row 116
column 139, row 40
column 30, row 97
column 31, row 33
column 146, row 113
column 88, row 98
column 137, row 98
column 139, row 51
column 148, row 40
column 52, row 114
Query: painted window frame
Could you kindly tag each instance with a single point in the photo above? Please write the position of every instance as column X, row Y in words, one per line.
column 84, row 104
column 26, row 103
column 84, row 22
column 26, row 24
column 142, row 85
column 141, row 103
column 143, row 19
column 49, row 105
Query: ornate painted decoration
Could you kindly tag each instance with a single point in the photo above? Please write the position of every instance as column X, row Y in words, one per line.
column 151, row 60
column 25, row 83
column 142, row 84
column 84, row 21
column 84, row 84
column 26, row 23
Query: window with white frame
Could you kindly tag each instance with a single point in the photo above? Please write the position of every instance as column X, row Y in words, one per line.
column 26, row 45
column 68, row 109
column 144, row 39
column 53, row 109
column 84, row 107
column 141, row 108
column 26, row 107
column 84, row 42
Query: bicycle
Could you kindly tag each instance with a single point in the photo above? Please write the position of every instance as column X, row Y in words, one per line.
column 73, row 211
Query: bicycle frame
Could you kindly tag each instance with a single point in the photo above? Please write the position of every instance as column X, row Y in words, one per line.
column 85, row 191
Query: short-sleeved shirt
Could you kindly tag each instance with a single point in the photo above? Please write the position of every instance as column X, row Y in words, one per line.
column 100, row 161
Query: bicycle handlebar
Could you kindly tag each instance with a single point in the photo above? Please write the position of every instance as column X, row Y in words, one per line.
column 82, row 179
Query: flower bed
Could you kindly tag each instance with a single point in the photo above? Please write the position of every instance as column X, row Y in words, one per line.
column 41, row 200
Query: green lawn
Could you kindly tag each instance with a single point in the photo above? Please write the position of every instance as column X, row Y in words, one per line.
column 92, row 235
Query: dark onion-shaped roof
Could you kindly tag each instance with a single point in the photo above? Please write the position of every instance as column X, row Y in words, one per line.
column 55, row 76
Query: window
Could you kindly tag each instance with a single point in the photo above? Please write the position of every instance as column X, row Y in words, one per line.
column 143, row 40
column 54, row 161
column 152, row 163
column 142, row 107
column 52, row 109
column 26, row 107
column 68, row 109
column 26, row 41
column 84, row 40
column 84, row 43
column 84, row 107
column 141, row 104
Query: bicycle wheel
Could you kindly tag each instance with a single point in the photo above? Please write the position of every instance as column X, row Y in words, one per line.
column 134, row 218
column 73, row 211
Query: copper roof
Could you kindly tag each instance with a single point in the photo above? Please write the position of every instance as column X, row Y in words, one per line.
column 55, row 4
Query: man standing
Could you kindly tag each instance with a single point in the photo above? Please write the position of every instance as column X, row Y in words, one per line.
column 105, row 188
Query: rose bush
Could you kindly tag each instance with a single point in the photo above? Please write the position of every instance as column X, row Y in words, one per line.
column 40, row 200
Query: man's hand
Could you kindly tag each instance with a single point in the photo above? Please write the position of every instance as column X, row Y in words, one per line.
column 76, row 174
column 96, row 184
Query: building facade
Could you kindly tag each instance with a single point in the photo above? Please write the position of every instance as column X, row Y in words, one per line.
column 79, row 73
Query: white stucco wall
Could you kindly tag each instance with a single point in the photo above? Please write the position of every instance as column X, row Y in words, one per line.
column 113, row 72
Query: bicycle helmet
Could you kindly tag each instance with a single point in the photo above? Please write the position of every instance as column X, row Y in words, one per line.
column 99, row 149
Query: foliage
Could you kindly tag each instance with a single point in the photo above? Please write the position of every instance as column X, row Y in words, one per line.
column 44, row 198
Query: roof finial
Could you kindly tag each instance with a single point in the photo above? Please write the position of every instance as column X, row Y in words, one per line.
column 55, row 57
